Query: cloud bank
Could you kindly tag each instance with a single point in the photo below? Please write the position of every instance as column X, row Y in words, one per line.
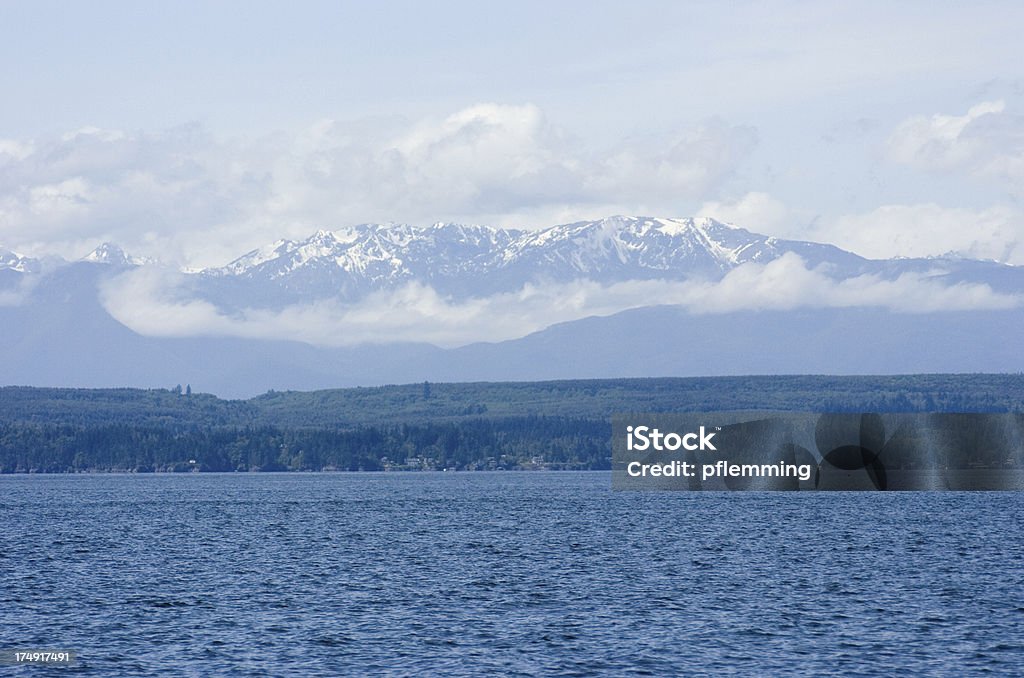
column 995, row 233
column 187, row 196
column 184, row 194
column 986, row 142
column 154, row 302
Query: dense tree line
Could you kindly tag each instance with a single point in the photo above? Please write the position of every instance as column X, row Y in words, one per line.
column 528, row 442
column 555, row 424
column 157, row 407
column 590, row 398
column 601, row 398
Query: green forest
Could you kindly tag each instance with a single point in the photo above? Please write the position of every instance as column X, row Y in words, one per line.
column 427, row 426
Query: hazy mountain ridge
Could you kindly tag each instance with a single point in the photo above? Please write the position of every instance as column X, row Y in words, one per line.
column 17, row 263
column 461, row 262
column 466, row 261
column 59, row 331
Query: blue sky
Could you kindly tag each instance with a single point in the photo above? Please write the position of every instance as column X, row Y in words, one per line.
column 197, row 131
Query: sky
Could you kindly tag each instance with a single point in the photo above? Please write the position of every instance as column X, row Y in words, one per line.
column 195, row 132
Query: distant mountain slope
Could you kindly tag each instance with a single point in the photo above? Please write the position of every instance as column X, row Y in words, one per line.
column 64, row 337
column 57, row 331
column 470, row 261
column 465, row 261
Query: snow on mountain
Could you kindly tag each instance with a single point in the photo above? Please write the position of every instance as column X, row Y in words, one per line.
column 12, row 261
column 109, row 253
column 373, row 250
column 644, row 247
column 79, row 322
column 464, row 261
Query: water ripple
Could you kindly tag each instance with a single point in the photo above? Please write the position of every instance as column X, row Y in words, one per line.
column 508, row 574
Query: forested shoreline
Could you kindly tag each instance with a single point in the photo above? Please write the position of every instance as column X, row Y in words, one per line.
column 477, row 426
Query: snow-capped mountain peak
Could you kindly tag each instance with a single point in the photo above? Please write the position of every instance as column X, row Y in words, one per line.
column 109, row 253
column 463, row 261
column 13, row 261
column 463, row 264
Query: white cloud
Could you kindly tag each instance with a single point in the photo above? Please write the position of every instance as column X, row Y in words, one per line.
column 60, row 200
column 11, row 149
column 96, row 132
column 154, row 302
column 987, row 142
column 925, row 230
column 786, row 283
column 693, row 164
column 184, row 195
column 755, row 211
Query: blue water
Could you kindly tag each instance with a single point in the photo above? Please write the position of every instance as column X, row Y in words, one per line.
column 505, row 573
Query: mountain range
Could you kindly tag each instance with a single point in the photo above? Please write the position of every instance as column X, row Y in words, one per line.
column 622, row 296
column 464, row 261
